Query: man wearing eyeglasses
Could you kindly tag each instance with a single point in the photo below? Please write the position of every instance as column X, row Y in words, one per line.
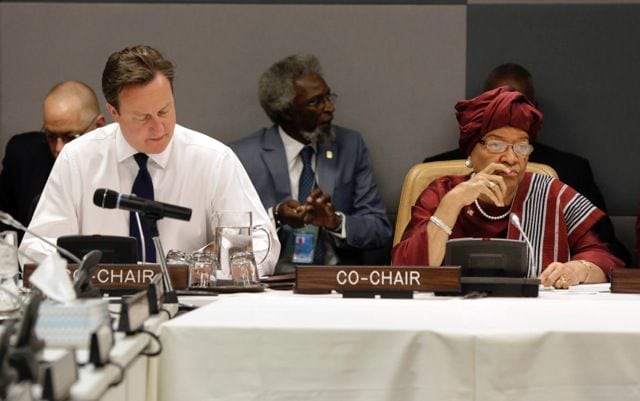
column 70, row 109
column 314, row 178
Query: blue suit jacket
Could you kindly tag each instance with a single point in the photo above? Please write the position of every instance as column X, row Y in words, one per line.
column 347, row 176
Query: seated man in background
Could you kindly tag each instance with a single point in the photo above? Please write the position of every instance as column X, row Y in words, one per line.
column 496, row 132
column 70, row 109
column 573, row 170
column 315, row 178
column 145, row 152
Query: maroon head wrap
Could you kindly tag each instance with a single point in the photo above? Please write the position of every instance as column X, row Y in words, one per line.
column 494, row 109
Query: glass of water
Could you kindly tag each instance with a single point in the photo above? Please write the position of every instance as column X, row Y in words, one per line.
column 244, row 271
column 202, row 269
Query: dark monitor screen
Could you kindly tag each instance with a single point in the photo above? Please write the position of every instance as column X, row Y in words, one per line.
column 114, row 249
column 488, row 257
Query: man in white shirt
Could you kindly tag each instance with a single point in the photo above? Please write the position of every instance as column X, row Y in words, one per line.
column 185, row 167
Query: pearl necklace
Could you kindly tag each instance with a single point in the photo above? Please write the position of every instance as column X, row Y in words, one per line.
column 488, row 216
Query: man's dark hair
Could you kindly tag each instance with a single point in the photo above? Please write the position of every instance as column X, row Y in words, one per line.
column 133, row 65
column 276, row 89
column 515, row 73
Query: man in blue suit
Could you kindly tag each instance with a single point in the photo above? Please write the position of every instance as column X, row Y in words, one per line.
column 314, row 178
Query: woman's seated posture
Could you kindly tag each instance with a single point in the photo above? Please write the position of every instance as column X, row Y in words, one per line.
column 496, row 129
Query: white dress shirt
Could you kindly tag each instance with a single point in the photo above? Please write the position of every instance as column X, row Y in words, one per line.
column 194, row 171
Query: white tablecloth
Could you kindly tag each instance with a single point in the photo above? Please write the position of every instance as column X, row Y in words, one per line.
column 281, row 346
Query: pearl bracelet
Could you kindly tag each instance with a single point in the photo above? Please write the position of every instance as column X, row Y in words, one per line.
column 440, row 224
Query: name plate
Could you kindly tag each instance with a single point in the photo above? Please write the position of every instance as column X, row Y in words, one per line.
column 125, row 276
column 625, row 280
column 377, row 279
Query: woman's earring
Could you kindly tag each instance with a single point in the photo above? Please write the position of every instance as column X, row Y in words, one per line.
column 467, row 163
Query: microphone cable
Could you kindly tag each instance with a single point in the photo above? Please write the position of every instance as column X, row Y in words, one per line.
column 143, row 246
column 6, row 218
column 516, row 222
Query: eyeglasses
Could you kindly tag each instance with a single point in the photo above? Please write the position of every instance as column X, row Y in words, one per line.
column 495, row 146
column 322, row 100
column 69, row 136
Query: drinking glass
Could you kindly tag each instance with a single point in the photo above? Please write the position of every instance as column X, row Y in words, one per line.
column 202, row 269
column 244, row 271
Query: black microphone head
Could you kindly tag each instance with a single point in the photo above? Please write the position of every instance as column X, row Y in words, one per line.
column 105, row 198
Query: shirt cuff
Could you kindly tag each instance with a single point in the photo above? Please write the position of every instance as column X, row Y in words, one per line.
column 340, row 231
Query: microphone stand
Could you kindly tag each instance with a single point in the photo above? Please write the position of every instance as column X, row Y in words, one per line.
column 170, row 296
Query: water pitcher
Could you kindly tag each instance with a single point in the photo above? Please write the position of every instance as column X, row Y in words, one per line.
column 233, row 239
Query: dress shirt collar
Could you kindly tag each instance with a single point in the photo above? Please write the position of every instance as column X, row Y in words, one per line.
column 292, row 147
column 125, row 151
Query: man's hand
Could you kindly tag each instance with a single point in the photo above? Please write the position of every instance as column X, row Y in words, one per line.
column 320, row 211
column 291, row 212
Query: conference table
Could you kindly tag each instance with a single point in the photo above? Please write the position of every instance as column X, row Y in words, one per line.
column 581, row 344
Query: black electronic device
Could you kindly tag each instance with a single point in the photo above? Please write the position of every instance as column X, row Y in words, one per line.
column 23, row 355
column 110, row 199
column 8, row 375
column 492, row 266
column 487, row 257
column 83, row 275
column 155, row 293
column 115, row 249
column 134, row 310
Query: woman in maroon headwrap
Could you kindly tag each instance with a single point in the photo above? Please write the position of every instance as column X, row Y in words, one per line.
column 496, row 129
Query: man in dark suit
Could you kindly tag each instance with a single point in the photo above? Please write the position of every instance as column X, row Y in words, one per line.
column 315, row 178
column 70, row 109
column 572, row 169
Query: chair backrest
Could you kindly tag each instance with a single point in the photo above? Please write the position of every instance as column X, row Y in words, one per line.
column 421, row 175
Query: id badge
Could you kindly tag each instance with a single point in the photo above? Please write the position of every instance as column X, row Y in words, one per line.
column 304, row 243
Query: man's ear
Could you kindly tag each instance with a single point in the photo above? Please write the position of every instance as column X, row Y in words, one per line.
column 114, row 113
column 100, row 121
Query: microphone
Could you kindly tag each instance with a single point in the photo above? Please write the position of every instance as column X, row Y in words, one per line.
column 109, row 199
column 515, row 220
column 7, row 219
